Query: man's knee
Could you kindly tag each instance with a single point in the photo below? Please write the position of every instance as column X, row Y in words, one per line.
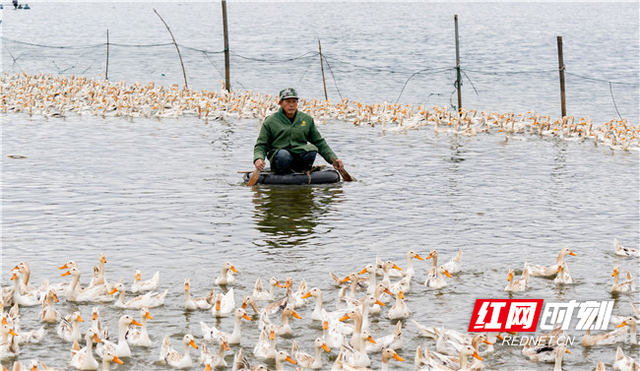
column 282, row 161
column 308, row 157
column 283, row 156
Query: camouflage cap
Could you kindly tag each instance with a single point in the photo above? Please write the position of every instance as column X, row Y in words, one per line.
column 288, row 93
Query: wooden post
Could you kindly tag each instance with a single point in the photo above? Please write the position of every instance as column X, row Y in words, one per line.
column 324, row 82
column 106, row 71
column 184, row 73
column 561, row 68
column 459, row 75
column 227, row 78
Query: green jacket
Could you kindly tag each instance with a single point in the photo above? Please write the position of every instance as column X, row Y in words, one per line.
column 278, row 132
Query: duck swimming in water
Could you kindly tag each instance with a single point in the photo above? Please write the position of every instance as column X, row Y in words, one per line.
column 550, row 270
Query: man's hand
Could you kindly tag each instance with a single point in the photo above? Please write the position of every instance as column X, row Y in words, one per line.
column 259, row 164
column 337, row 164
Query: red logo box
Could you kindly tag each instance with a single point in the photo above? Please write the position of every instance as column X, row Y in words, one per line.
column 499, row 315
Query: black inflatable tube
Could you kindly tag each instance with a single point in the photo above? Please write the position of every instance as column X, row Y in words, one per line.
column 316, row 177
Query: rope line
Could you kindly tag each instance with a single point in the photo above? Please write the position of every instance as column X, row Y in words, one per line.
column 333, row 76
column 602, row 80
column 326, row 57
column 415, row 74
column 614, row 100
column 275, row 61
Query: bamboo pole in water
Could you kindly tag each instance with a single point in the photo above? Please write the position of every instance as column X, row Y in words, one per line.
column 324, row 82
column 227, row 74
column 106, row 71
column 184, row 73
column 561, row 68
column 459, row 75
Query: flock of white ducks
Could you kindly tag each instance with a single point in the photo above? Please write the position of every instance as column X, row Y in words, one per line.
column 58, row 96
column 345, row 331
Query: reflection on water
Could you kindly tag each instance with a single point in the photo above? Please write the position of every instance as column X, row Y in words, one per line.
column 289, row 215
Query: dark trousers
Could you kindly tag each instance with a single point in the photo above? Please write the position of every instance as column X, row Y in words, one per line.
column 286, row 162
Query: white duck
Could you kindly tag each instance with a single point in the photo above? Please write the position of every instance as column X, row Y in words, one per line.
column 365, row 307
column 285, row 329
column 633, row 328
column 387, row 355
column 214, row 359
column 386, row 272
column 142, row 286
column 261, row 294
column 624, row 251
column 213, row 334
column 241, row 363
column 197, row 303
column 25, row 284
column 410, row 271
column 121, row 349
column 68, row 329
column 48, row 313
column 558, row 354
column 316, row 315
column 31, row 298
column 423, row 361
column 82, row 358
column 624, row 286
column 249, row 301
column 461, row 362
column 173, row 357
column 224, row 304
column 109, row 357
column 307, row 360
column 149, row 300
column 399, row 310
column 298, row 297
column 433, row 255
column 331, row 336
column 435, row 277
column 279, row 304
column 382, row 295
column 393, row 340
column 68, row 265
column 140, row 337
column 9, row 347
column 543, row 350
column 373, row 277
column 550, row 270
column 403, row 285
column 624, row 362
column 356, row 315
column 380, row 267
column 265, row 348
column 281, row 357
column 227, row 276
column 98, row 274
column 563, row 277
column 450, row 342
column 357, row 355
column 74, row 292
column 517, row 284
column 97, row 325
column 454, row 265
column 612, row 337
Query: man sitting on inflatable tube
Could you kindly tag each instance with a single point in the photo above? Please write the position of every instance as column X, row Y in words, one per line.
column 290, row 140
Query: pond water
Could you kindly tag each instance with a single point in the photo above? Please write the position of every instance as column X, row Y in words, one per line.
column 165, row 195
